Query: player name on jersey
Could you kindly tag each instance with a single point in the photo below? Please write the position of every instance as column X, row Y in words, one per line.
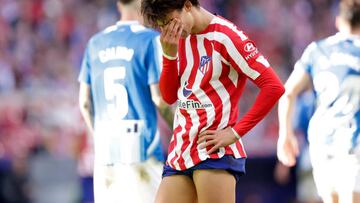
column 114, row 53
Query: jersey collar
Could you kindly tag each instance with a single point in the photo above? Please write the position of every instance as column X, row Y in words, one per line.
column 128, row 22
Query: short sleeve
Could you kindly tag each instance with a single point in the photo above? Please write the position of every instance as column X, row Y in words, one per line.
column 84, row 75
column 154, row 60
column 306, row 61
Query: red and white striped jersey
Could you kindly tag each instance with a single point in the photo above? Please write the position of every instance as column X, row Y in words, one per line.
column 213, row 67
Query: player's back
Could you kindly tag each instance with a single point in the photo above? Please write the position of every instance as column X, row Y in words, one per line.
column 334, row 66
column 121, row 63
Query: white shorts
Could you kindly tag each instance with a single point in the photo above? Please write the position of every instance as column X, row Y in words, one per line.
column 123, row 183
column 306, row 189
column 336, row 174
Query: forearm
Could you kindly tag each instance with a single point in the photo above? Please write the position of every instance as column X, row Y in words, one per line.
column 167, row 113
column 86, row 113
column 285, row 113
column 271, row 90
column 169, row 81
column 298, row 81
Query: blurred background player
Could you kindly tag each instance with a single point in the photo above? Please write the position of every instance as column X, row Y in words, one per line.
column 331, row 68
column 118, row 99
column 305, row 186
column 207, row 61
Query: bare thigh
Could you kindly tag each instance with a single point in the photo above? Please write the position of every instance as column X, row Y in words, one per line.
column 356, row 197
column 214, row 186
column 350, row 197
column 331, row 197
column 176, row 189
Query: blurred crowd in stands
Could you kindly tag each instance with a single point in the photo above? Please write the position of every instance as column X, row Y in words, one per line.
column 43, row 145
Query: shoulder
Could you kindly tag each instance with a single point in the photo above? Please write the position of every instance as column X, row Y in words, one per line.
column 140, row 32
column 94, row 38
column 228, row 28
column 100, row 36
column 143, row 32
column 332, row 40
column 323, row 45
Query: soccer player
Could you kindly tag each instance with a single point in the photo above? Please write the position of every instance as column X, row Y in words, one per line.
column 331, row 68
column 206, row 62
column 118, row 98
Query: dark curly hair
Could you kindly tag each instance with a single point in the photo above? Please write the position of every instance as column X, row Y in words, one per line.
column 125, row 1
column 350, row 11
column 156, row 10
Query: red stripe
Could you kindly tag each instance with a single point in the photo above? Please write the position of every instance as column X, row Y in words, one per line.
column 234, row 91
column 194, row 154
column 211, row 94
column 210, row 91
column 228, row 150
column 236, row 39
column 173, row 144
column 206, row 79
column 182, row 56
column 185, row 138
column 196, row 59
column 240, row 148
column 240, row 47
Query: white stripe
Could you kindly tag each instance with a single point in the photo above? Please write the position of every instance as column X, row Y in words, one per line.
column 154, row 143
column 223, row 22
column 179, row 140
column 184, row 77
column 170, row 57
column 189, row 66
column 235, row 150
column 233, row 52
column 193, row 114
column 242, row 146
column 224, row 96
column 200, row 94
column 220, row 90
column 233, row 75
column 159, row 51
column 192, row 133
column 171, row 154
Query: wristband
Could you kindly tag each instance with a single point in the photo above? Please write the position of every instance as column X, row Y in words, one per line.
column 236, row 134
column 170, row 57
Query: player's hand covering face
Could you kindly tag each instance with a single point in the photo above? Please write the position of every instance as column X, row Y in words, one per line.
column 170, row 35
column 216, row 139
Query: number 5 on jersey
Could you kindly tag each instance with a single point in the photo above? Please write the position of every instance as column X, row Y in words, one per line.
column 116, row 93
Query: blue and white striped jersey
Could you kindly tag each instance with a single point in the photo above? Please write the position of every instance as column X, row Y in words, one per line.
column 119, row 64
column 334, row 67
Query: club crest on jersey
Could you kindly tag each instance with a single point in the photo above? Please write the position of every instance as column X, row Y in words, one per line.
column 186, row 91
column 204, row 64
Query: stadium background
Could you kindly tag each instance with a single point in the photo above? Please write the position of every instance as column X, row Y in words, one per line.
column 43, row 147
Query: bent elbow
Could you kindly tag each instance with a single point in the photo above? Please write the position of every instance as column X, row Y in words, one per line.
column 277, row 91
column 288, row 96
column 281, row 90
